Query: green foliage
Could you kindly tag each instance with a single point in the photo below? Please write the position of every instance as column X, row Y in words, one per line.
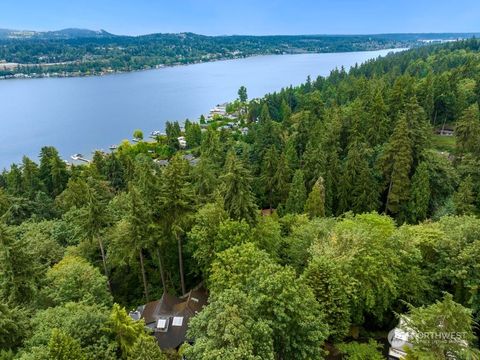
column 315, row 204
column 239, row 201
column 464, row 198
column 229, row 328
column 467, row 130
column 420, row 194
column 128, row 332
column 13, row 326
column 74, row 279
column 362, row 351
column 63, row 347
column 443, row 317
column 138, row 135
column 279, row 298
column 297, row 195
column 84, row 323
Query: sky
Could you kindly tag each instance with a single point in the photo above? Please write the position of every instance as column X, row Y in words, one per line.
column 254, row 17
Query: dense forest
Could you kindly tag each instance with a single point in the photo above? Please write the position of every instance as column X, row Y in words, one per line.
column 339, row 212
column 80, row 52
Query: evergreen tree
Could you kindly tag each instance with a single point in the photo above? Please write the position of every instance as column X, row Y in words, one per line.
column 282, row 178
column 315, row 204
column 242, row 94
column 52, row 171
column 30, row 177
column 205, row 180
column 267, row 177
column 464, row 198
column 467, row 131
column 177, row 205
column 420, row 194
column 63, row 347
column 396, row 163
column 239, row 201
column 297, row 195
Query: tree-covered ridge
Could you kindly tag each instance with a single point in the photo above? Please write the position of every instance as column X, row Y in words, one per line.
column 363, row 221
column 83, row 52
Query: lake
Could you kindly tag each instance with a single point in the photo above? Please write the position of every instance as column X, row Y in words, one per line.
column 78, row 115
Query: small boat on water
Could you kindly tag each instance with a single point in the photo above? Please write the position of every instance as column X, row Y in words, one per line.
column 113, row 147
column 78, row 157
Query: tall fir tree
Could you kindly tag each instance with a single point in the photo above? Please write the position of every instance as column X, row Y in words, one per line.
column 420, row 194
column 297, row 195
column 315, row 204
column 396, row 164
column 464, row 198
column 467, row 131
column 239, row 201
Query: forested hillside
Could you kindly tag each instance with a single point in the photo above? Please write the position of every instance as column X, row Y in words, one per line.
column 346, row 204
column 75, row 52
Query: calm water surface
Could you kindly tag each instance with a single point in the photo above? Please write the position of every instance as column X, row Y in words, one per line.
column 77, row 115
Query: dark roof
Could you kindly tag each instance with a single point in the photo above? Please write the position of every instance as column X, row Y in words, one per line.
column 170, row 307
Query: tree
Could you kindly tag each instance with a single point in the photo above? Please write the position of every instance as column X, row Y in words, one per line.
column 30, row 177
column 239, row 201
column 146, row 348
column 464, row 197
column 467, row 130
column 278, row 297
column 193, row 134
column 202, row 236
column 13, row 325
column 315, row 204
column 86, row 324
column 128, row 332
column 63, row 347
column 205, row 179
column 443, row 318
column 94, row 218
column 138, row 236
column 173, row 133
column 362, row 351
column 242, row 94
column 229, row 328
column 396, row 164
column 53, row 171
column 19, row 269
column 138, row 135
column 74, row 279
column 177, row 205
column 333, row 289
column 420, row 194
column 297, row 195
column 269, row 170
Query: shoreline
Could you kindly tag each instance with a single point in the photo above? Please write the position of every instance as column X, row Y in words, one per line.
column 22, row 76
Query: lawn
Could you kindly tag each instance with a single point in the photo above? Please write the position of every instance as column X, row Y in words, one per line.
column 443, row 143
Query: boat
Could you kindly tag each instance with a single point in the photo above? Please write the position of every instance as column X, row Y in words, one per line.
column 78, row 157
column 113, row 147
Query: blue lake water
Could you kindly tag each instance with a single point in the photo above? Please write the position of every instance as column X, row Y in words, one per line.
column 77, row 115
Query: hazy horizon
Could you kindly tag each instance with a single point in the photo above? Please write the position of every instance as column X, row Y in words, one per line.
column 276, row 17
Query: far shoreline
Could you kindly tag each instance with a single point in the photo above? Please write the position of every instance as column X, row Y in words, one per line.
column 161, row 66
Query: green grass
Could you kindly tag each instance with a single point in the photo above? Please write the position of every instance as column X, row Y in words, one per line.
column 444, row 143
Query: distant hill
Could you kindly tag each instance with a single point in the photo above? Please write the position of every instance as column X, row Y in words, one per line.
column 71, row 33
column 77, row 52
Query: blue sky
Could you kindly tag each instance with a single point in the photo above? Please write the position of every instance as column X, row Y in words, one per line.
column 215, row 17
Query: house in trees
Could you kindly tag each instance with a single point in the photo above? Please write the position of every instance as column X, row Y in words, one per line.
column 169, row 316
